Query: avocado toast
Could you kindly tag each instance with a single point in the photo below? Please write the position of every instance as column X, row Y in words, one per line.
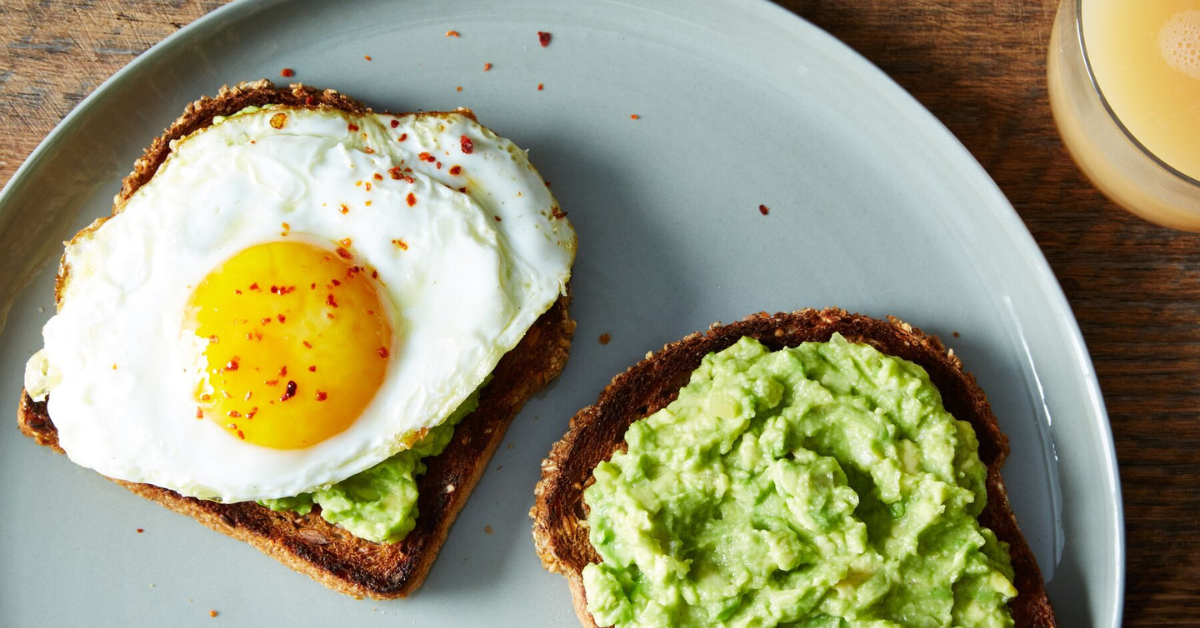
column 598, row 432
column 307, row 542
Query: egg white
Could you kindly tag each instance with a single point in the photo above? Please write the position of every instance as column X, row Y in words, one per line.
column 479, row 269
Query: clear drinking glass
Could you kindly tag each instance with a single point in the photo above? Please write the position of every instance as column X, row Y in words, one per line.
column 1103, row 146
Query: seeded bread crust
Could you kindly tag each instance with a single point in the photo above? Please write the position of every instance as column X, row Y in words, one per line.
column 559, row 514
column 309, row 544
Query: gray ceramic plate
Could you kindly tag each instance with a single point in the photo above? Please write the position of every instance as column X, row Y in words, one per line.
column 874, row 207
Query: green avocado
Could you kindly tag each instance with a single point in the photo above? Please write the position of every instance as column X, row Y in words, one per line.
column 380, row 504
column 817, row 486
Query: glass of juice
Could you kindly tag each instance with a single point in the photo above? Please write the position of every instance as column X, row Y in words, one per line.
column 1124, row 82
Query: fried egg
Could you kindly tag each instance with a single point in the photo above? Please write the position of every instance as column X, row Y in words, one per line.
column 295, row 296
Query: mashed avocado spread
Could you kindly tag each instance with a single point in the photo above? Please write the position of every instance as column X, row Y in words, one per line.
column 817, row 486
column 380, row 504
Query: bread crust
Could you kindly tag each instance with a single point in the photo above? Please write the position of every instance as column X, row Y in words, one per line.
column 309, row 544
column 559, row 520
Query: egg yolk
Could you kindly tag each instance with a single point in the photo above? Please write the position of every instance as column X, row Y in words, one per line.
column 298, row 341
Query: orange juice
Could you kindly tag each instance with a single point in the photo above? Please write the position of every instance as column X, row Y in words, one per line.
column 1145, row 56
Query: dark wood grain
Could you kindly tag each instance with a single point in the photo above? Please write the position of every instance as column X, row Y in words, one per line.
column 979, row 66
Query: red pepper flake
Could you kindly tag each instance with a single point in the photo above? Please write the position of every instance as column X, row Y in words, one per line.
column 213, row 339
column 308, row 100
column 199, row 413
column 241, row 435
column 338, row 283
column 452, row 34
column 232, row 426
column 312, row 369
column 321, row 396
column 456, row 170
column 543, row 38
column 463, row 189
column 458, row 89
column 467, row 146
column 497, row 219
column 289, row 392
column 285, row 225
column 426, row 157
column 233, row 414
column 345, row 210
column 368, row 186
column 139, row 530
column 403, row 136
column 254, row 286
column 212, row 613
column 487, row 67
column 764, row 210
column 253, row 411
column 237, row 291
column 272, row 382
column 206, row 397
column 232, row 365
column 411, row 199
column 344, row 254
column 377, row 176
column 330, row 301
column 395, row 123
column 605, row 338
column 370, row 151
column 352, row 127
column 383, row 352
column 281, row 318
column 558, row 213
column 540, row 87
column 283, row 371
column 367, row 57
column 306, row 345
column 400, row 244
column 345, row 241
column 287, row 73
column 634, row 117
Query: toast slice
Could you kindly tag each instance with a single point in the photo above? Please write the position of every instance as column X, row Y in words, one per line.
column 559, row 513
column 308, row 543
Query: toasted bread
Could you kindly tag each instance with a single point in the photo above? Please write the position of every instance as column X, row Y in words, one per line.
column 308, row 543
column 559, row 513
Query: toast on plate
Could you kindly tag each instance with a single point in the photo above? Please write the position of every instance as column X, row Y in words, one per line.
column 308, row 543
column 560, row 515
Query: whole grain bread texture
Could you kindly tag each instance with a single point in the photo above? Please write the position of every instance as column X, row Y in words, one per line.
column 308, row 543
column 559, row 514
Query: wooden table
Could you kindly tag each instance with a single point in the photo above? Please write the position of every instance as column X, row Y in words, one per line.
column 979, row 66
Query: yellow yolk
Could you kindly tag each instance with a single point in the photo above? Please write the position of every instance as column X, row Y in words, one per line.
column 298, row 342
